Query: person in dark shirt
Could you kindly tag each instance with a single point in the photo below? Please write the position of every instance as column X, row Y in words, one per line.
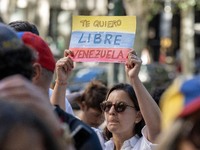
column 15, row 79
column 84, row 137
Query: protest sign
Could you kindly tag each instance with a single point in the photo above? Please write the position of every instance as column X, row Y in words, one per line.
column 102, row 38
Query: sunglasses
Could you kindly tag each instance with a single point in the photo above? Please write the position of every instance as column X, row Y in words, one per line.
column 119, row 106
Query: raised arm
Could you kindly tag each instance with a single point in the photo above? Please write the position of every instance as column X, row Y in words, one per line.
column 148, row 107
column 64, row 68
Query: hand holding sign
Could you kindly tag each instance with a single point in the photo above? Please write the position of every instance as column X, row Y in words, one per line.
column 133, row 65
column 102, row 38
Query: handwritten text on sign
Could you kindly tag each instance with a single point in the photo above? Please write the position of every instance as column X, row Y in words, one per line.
column 102, row 39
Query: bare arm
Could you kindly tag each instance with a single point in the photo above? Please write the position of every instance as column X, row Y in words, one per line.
column 148, row 107
column 64, row 67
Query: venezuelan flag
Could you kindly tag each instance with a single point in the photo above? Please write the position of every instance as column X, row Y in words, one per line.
column 181, row 99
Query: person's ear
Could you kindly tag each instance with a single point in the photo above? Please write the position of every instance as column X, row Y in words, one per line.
column 138, row 117
column 37, row 70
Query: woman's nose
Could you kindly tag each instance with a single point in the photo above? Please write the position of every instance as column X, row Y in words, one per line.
column 112, row 110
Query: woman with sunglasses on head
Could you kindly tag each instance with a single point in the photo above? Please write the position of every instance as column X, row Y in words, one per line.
column 132, row 116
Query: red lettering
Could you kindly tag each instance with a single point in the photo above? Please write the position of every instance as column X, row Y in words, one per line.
column 76, row 53
column 98, row 54
column 91, row 54
column 120, row 55
column 109, row 54
column 103, row 53
column 82, row 54
column 106, row 54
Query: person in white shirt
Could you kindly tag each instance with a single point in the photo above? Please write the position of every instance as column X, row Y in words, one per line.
column 67, row 105
column 132, row 117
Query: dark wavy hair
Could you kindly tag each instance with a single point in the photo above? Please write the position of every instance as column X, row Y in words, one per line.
column 17, row 61
column 24, row 26
column 94, row 94
column 130, row 91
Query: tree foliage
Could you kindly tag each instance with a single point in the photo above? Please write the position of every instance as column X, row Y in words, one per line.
column 184, row 4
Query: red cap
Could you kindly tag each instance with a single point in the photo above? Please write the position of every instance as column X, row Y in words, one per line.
column 45, row 56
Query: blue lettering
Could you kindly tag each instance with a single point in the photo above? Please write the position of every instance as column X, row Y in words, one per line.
column 88, row 40
column 100, row 38
column 81, row 39
column 117, row 40
column 108, row 38
column 97, row 38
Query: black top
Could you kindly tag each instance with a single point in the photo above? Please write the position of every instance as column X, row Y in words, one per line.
column 84, row 136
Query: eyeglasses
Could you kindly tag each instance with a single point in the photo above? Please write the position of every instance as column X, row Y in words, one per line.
column 119, row 106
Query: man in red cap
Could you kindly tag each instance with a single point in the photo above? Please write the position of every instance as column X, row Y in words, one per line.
column 44, row 67
column 17, row 71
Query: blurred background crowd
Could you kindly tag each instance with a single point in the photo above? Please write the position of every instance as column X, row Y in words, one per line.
column 167, row 35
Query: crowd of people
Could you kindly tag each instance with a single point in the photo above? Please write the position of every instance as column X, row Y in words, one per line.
column 124, row 116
